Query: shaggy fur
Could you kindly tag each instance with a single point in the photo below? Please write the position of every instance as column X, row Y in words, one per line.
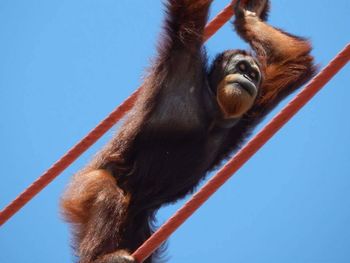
column 176, row 133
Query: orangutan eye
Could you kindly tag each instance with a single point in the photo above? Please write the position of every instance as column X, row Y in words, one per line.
column 253, row 75
column 242, row 67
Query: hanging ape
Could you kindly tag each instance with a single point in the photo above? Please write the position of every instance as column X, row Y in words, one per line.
column 187, row 119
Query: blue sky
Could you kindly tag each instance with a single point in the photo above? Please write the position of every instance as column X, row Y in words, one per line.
column 64, row 65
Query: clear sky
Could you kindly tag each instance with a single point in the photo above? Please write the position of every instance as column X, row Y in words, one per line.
column 65, row 64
